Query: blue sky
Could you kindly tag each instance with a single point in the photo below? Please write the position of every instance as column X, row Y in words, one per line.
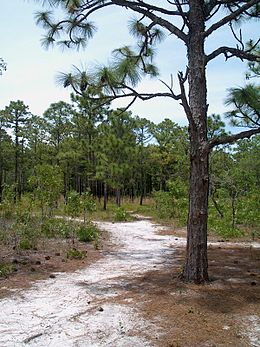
column 32, row 69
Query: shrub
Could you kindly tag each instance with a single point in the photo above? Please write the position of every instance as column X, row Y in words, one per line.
column 54, row 227
column 223, row 226
column 6, row 269
column 120, row 215
column 225, row 230
column 25, row 244
column 163, row 204
column 73, row 207
column 172, row 203
column 87, row 232
column 74, row 253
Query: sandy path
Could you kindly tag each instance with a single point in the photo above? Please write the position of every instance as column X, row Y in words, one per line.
column 81, row 309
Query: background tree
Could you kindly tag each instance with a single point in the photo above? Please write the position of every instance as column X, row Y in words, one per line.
column 143, row 137
column 16, row 116
column 6, row 152
column 173, row 146
column 234, row 187
column 117, row 141
column 37, row 137
column 86, row 117
column 47, row 186
column 58, row 117
column 197, row 22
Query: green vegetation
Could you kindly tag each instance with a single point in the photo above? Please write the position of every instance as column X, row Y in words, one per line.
column 88, row 232
column 233, row 202
column 6, row 269
column 74, row 253
column 103, row 165
column 120, row 215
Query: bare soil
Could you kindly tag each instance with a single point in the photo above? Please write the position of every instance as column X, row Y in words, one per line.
column 225, row 312
column 49, row 258
column 208, row 315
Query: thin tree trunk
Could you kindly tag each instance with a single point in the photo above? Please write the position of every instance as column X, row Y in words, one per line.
column 142, row 186
column 1, row 182
column 118, row 197
column 99, row 192
column 16, row 162
column 141, row 198
column 105, row 196
column 217, row 206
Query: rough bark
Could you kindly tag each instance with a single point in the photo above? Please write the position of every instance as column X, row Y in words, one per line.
column 196, row 264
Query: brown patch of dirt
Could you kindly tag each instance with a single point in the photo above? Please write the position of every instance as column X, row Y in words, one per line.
column 182, row 232
column 209, row 315
column 49, row 257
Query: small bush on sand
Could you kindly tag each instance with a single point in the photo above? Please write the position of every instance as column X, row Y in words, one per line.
column 87, row 232
column 120, row 215
column 74, row 253
column 6, row 269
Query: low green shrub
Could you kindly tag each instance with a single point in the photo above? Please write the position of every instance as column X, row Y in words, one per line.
column 6, row 269
column 56, row 227
column 74, row 253
column 225, row 230
column 120, row 215
column 25, row 244
column 164, row 204
column 87, row 232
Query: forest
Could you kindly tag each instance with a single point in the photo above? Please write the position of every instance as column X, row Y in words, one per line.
column 116, row 230
column 83, row 150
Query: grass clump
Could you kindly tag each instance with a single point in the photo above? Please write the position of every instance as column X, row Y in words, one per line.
column 74, row 253
column 25, row 244
column 6, row 269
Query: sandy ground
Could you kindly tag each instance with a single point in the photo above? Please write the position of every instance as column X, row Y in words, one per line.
column 131, row 296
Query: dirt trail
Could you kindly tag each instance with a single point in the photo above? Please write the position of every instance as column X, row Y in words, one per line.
column 80, row 309
column 101, row 305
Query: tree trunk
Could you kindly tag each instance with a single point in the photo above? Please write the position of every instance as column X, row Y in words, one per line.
column 196, row 264
column 16, row 167
column 105, row 196
column 142, row 186
column 118, row 197
column 141, row 198
column 1, row 182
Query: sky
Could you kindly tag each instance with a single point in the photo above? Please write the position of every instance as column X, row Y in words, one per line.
column 31, row 69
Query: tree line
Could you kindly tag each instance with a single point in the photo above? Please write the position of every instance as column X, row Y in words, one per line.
column 87, row 148
column 94, row 148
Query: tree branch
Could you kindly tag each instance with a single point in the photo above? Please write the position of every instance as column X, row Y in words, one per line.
column 156, row 19
column 184, row 101
column 230, row 52
column 150, row 7
column 222, row 140
column 230, row 17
